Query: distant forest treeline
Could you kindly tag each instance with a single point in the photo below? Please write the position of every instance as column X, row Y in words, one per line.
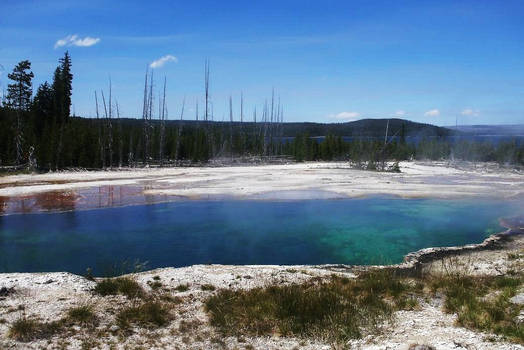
column 38, row 132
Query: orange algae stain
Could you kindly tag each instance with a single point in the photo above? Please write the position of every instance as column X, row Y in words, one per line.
column 80, row 199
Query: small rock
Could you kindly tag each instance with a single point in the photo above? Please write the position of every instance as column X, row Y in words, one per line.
column 517, row 299
column 421, row 347
column 114, row 328
column 4, row 291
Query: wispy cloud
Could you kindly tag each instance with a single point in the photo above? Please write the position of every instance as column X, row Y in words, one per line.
column 75, row 40
column 153, row 39
column 345, row 116
column 432, row 113
column 163, row 60
column 470, row 112
column 400, row 113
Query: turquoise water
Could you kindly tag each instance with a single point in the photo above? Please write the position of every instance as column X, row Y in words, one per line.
column 347, row 231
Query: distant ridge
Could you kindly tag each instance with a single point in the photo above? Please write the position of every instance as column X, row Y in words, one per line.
column 367, row 128
column 491, row 130
column 358, row 128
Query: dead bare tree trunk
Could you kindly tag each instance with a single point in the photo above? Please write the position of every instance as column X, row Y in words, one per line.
column 265, row 121
column 231, row 126
column 162, row 125
column 145, row 119
column 150, row 118
column 109, row 127
column 120, row 140
column 100, row 136
column 206, row 83
column 180, row 130
column 196, row 111
column 18, row 138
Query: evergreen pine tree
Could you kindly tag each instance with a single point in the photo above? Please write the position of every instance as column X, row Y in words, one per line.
column 20, row 91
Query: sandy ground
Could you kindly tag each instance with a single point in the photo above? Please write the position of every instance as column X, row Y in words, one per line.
column 46, row 296
column 289, row 181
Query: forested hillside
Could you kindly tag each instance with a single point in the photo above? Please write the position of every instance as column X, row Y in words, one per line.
column 37, row 132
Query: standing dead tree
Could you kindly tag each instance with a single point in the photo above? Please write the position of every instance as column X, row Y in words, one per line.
column 108, row 126
column 231, row 126
column 147, row 112
column 179, row 134
column 162, row 117
column 120, row 136
column 265, row 121
column 101, row 143
column 206, row 87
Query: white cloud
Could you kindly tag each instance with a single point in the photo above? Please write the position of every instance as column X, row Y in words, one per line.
column 470, row 112
column 74, row 40
column 346, row 115
column 432, row 113
column 163, row 60
column 400, row 113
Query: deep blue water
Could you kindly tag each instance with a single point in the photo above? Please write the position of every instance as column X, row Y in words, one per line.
column 349, row 231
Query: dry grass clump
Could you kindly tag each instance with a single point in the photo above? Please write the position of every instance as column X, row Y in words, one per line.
column 483, row 303
column 480, row 302
column 207, row 287
column 336, row 310
column 25, row 330
column 151, row 314
column 83, row 315
column 121, row 285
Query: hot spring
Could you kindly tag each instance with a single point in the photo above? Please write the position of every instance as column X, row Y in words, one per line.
column 372, row 230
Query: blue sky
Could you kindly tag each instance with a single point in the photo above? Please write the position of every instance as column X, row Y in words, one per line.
column 329, row 61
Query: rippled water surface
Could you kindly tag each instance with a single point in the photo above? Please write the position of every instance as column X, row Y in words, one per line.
column 350, row 231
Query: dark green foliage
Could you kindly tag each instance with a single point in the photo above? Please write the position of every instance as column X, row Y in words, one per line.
column 44, row 131
column 43, row 107
column 62, row 89
column 121, row 285
column 19, row 92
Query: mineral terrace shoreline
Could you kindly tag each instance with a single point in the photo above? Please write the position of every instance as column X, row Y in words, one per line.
column 78, row 190
column 416, row 179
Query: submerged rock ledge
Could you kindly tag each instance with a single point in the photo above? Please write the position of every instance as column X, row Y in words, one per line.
column 415, row 262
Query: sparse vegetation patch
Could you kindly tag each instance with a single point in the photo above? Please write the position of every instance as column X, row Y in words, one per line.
column 335, row 310
column 24, row 329
column 483, row 303
column 150, row 314
column 82, row 314
column 121, row 285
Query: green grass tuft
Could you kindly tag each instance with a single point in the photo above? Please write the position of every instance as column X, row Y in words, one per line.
column 121, row 285
column 151, row 314
column 25, row 329
column 182, row 288
column 207, row 287
column 483, row 303
column 82, row 314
